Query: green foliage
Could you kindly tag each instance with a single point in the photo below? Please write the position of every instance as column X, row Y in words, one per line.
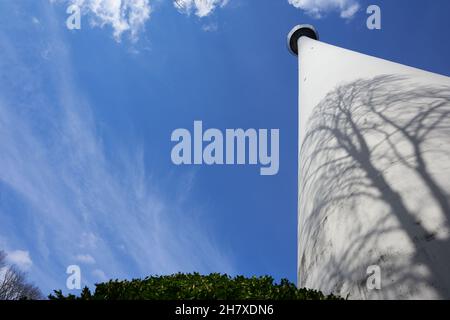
column 196, row 287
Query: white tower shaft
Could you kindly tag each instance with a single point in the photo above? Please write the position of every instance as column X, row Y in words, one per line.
column 374, row 168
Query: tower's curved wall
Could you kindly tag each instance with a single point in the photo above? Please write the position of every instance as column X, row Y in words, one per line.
column 374, row 175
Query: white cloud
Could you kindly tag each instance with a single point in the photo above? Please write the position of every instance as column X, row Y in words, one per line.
column 211, row 27
column 130, row 16
column 202, row 8
column 85, row 258
column 317, row 8
column 122, row 15
column 88, row 240
column 20, row 258
column 99, row 275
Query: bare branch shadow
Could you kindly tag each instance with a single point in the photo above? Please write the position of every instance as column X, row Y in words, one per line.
column 374, row 190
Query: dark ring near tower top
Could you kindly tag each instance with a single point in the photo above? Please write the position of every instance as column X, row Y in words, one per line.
column 303, row 30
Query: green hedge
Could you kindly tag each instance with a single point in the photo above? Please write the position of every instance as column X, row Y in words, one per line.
column 196, row 287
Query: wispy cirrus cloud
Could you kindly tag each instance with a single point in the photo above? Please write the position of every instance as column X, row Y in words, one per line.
column 318, row 8
column 64, row 197
column 202, row 8
column 20, row 258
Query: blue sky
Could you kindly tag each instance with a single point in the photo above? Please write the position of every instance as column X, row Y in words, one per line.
column 86, row 117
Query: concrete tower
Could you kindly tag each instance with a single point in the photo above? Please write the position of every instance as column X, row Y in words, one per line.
column 374, row 174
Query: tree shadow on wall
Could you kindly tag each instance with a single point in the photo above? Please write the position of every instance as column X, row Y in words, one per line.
column 373, row 181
